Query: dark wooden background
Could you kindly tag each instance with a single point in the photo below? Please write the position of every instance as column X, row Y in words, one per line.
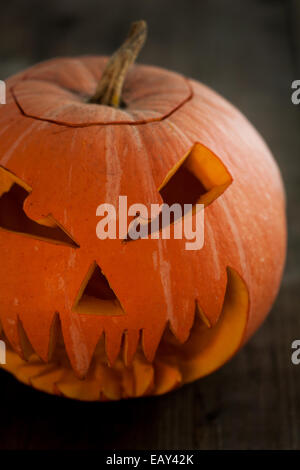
column 249, row 51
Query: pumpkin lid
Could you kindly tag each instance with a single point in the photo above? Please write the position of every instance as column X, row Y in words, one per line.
column 150, row 93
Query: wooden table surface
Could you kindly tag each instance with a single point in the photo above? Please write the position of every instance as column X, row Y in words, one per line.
column 249, row 51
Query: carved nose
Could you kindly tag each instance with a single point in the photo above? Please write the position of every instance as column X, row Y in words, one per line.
column 96, row 297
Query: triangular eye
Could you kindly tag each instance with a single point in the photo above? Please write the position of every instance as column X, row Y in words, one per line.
column 96, row 297
column 13, row 193
column 198, row 178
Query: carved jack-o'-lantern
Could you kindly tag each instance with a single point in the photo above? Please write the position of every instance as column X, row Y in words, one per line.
column 105, row 319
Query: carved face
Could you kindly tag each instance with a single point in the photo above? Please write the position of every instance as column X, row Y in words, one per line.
column 175, row 142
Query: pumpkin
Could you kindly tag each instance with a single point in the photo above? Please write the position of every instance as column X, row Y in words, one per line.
column 107, row 319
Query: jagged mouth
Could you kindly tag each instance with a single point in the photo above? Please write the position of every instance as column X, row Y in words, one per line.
column 206, row 349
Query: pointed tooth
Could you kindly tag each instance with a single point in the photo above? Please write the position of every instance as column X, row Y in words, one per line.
column 143, row 375
column 202, row 316
column 27, row 349
column 113, row 341
column 131, row 341
column 150, row 341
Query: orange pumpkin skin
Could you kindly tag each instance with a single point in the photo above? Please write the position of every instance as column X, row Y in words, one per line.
column 75, row 156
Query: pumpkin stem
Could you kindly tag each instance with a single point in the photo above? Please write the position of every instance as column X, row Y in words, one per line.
column 109, row 89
